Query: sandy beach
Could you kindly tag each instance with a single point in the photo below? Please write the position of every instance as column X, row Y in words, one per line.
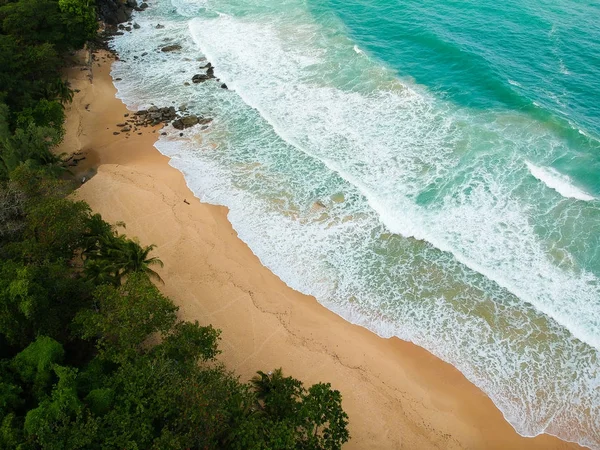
column 396, row 394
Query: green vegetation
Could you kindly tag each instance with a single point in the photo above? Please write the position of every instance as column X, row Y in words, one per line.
column 34, row 36
column 92, row 355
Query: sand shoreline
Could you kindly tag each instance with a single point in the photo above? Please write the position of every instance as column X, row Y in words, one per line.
column 397, row 394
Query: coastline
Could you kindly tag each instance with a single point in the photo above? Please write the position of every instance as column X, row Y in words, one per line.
column 397, row 394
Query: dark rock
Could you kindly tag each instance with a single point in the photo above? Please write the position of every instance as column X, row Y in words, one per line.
column 121, row 124
column 144, row 5
column 163, row 134
column 116, row 132
column 137, row 27
column 118, row 79
column 159, row 26
column 131, row 3
column 126, row 115
column 113, row 12
column 224, row 86
column 125, row 129
column 205, row 121
column 141, row 112
column 186, row 84
column 180, row 134
column 189, row 121
column 171, row 48
column 152, row 109
column 128, row 29
column 121, row 15
column 200, row 78
column 185, row 122
column 144, row 54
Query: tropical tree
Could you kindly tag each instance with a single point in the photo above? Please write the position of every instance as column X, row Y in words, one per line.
column 125, row 316
column 277, row 395
column 289, row 413
column 110, row 257
column 131, row 257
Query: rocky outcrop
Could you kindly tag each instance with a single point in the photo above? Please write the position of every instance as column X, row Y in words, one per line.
column 189, row 121
column 171, row 48
column 113, row 12
column 154, row 116
column 200, row 78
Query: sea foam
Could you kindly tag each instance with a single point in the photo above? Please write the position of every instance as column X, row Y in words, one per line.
column 471, row 209
column 559, row 182
column 298, row 128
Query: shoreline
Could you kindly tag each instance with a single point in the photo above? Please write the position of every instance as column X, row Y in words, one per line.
column 397, row 395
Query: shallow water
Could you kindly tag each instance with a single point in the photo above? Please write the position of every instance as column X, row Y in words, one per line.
column 428, row 171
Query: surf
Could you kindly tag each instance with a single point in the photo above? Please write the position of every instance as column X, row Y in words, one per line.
column 559, row 182
column 345, row 130
column 384, row 201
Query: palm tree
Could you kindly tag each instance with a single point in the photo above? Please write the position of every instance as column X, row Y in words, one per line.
column 277, row 395
column 109, row 256
column 129, row 256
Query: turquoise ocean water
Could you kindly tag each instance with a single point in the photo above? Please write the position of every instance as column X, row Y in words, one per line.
column 429, row 170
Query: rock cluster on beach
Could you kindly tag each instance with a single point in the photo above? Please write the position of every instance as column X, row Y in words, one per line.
column 154, row 116
column 190, row 121
column 114, row 14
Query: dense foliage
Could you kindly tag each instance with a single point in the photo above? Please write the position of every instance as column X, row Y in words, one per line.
column 92, row 355
column 34, row 36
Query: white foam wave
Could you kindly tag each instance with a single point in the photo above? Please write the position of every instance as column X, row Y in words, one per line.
column 559, row 182
column 358, row 50
column 482, row 224
column 541, row 378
